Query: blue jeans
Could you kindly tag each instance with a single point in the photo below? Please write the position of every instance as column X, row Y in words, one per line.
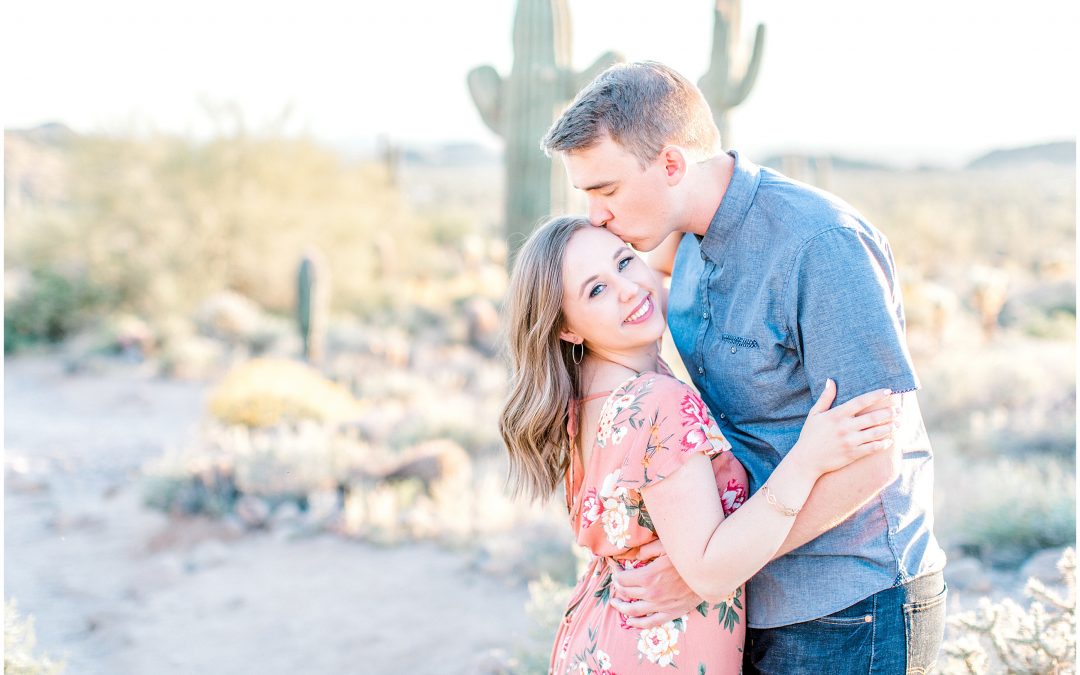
column 895, row 632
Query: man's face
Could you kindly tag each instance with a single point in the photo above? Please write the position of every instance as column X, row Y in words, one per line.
column 630, row 201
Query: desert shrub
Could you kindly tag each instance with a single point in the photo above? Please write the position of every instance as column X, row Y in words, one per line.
column 1003, row 510
column 20, row 644
column 1015, row 397
column 283, row 463
column 943, row 222
column 52, row 304
column 159, row 222
column 1005, row 637
column 271, row 392
column 545, row 608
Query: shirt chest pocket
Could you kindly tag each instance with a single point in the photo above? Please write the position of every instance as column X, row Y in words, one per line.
column 734, row 343
column 745, row 363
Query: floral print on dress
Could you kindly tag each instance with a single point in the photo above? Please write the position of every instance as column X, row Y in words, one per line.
column 591, row 508
column 660, row 644
column 649, row 426
column 608, row 429
column 733, row 496
column 613, row 512
column 701, row 428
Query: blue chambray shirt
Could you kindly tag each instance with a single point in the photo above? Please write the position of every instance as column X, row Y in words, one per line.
column 788, row 287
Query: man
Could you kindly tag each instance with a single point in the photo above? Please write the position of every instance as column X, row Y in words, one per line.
column 776, row 287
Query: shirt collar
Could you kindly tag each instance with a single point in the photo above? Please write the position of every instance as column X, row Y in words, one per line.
column 734, row 205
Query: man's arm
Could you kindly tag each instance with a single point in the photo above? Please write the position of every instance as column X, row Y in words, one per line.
column 838, row 495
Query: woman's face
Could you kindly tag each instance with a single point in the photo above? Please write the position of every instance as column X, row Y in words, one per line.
column 611, row 298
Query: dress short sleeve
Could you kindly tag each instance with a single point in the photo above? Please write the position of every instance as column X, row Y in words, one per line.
column 674, row 426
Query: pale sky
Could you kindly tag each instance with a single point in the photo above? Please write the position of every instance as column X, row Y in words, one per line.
column 922, row 80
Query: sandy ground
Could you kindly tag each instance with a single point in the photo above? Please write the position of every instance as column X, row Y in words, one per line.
column 117, row 588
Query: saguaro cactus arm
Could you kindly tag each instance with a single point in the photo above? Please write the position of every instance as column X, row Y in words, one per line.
column 740, row 92
column 605, row 61
column 720, row 85
column 486, row 89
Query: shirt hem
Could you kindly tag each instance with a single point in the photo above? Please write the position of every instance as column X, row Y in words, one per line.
column 791, row 621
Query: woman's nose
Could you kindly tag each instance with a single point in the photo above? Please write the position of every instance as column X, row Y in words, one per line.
column 628, row 289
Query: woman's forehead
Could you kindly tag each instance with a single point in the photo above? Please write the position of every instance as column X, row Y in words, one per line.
column 589, row 250
column 593, row 240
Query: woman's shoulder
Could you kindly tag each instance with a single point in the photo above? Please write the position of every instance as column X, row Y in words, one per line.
column 661, row 386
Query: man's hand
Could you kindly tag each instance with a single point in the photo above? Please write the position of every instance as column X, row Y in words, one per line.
column 653, row 594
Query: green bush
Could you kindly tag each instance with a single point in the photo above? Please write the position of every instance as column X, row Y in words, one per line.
column 52, row 305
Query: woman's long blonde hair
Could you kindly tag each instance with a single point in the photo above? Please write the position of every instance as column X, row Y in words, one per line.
column 544, row 377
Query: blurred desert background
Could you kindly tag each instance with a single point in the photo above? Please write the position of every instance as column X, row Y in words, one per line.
column 252, row 296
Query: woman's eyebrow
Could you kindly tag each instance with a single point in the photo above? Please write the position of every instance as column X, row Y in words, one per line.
column 587, row 282
column 619, row 251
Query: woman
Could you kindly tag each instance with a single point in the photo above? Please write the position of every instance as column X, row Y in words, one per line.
column 647, row 461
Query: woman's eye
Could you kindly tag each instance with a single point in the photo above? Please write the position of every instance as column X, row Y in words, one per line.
column 624, row 262
column 596, row 290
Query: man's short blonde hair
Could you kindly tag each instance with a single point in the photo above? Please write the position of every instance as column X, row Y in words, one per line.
column 643, row 107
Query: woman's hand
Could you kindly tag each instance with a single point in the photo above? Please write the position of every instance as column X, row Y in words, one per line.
column 832, row 439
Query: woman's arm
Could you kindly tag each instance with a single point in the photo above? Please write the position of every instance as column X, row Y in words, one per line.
column 714, row 554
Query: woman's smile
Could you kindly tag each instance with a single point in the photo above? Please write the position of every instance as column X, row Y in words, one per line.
column 642, row 312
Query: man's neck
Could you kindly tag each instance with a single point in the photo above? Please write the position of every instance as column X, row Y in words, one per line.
column 711, row 182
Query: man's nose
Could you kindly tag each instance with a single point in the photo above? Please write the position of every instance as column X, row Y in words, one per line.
column 598, row 213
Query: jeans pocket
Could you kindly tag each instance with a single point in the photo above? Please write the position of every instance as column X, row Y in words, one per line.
column 860, row 620
column 924, row 623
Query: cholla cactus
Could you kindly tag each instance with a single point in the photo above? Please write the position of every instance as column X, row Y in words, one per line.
column 19, row 646
column 1039, row 641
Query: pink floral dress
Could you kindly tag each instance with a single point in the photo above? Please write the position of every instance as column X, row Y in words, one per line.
column 649, row 427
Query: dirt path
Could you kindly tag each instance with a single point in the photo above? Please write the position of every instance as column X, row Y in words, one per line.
column 116, row 588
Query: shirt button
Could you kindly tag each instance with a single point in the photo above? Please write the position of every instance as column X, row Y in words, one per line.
column 704, row 315
column 722, row 416
column 734, row 349
column 700, row 370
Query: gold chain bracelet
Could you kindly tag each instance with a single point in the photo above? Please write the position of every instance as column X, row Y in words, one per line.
column 769, row 497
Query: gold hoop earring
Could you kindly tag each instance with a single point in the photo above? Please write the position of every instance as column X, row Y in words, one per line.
column 574, row 352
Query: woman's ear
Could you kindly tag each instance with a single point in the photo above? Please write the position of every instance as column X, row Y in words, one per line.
column 570, row 336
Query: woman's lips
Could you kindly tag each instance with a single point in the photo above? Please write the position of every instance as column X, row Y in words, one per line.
column 642, row 312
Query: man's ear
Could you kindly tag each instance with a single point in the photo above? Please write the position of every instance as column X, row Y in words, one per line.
column 673, row 161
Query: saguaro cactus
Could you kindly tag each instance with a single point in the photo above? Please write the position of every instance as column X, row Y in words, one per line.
column 520, row 108
column 722, row 87
column 312, row 303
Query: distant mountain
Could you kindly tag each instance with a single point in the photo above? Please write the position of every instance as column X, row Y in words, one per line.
column 813, row 162
column 37, row 165
column 450, row 154
column 1061, row 153
column 50, row 133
